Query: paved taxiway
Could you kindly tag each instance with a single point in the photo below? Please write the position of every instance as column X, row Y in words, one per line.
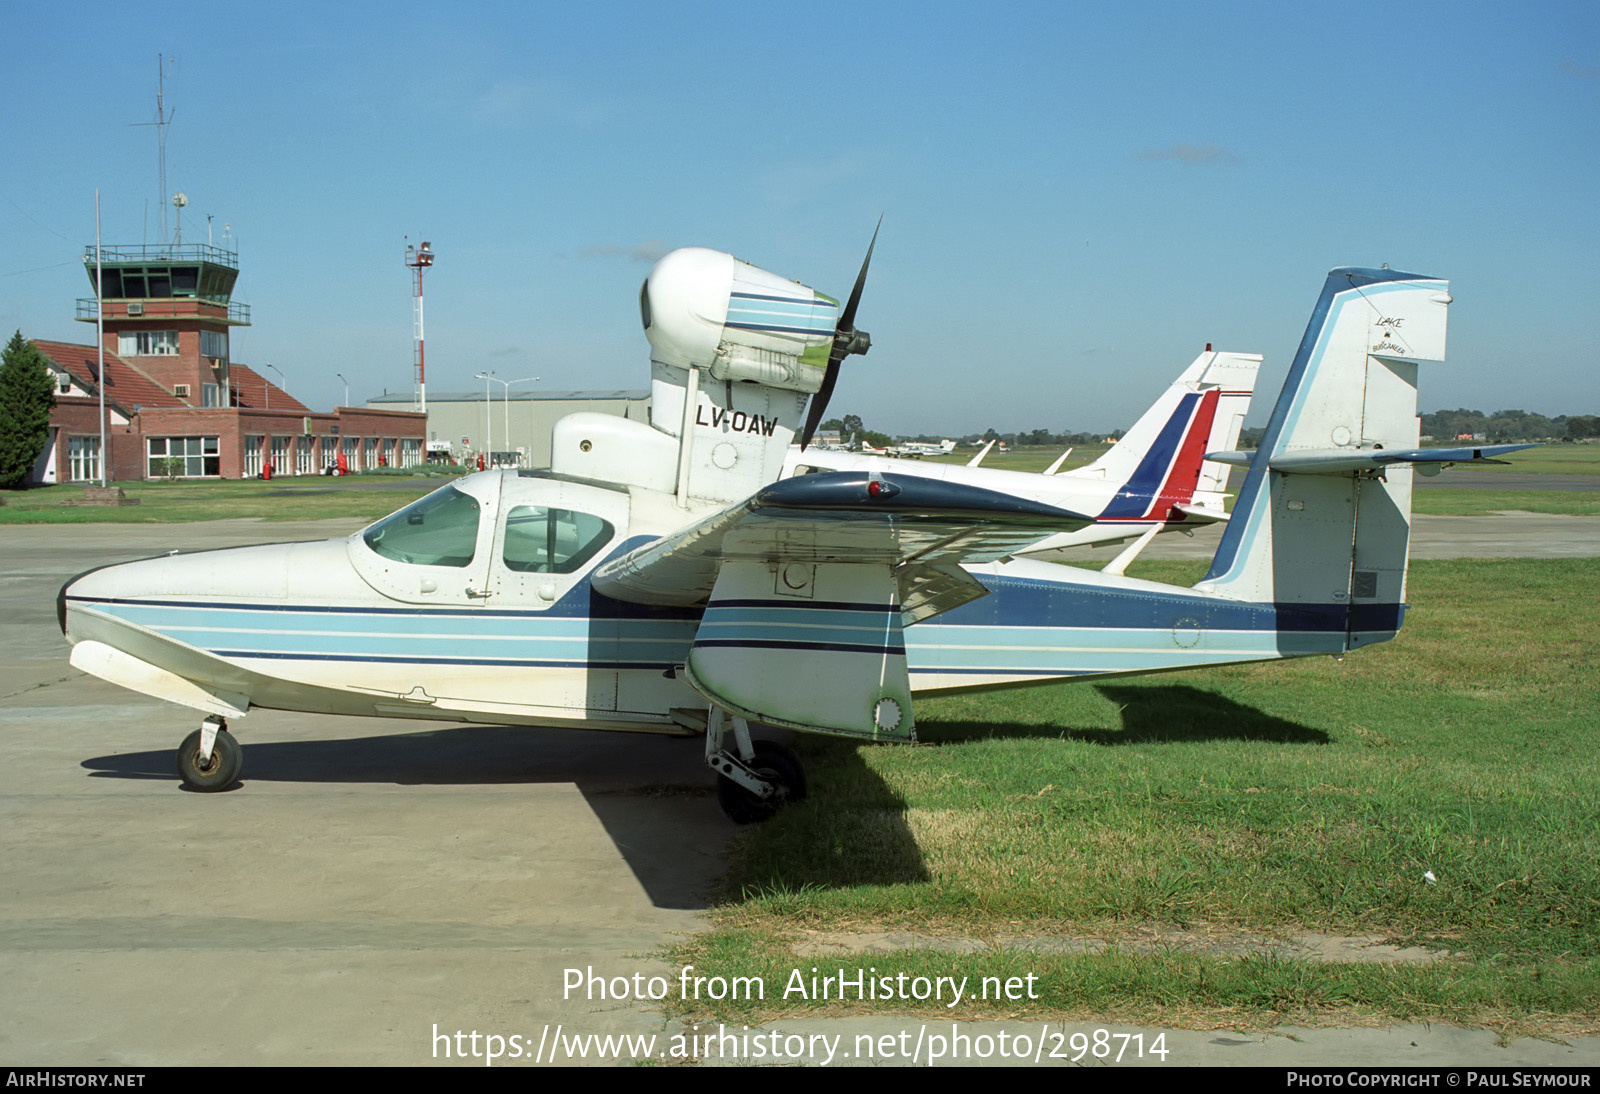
column 372, row 880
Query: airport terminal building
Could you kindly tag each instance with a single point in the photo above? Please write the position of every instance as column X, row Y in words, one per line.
column 176, row 404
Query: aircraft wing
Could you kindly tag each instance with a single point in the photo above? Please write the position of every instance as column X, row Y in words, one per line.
column 809, row 584
column 842, row 517
column 1335, row 461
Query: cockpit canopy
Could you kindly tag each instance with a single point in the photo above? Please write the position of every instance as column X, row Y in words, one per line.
column 487, row 534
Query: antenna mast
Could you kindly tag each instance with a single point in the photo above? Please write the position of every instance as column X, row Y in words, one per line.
column 162, row 118
column 419, row 259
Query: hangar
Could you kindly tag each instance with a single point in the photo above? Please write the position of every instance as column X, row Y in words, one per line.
column 510, row 428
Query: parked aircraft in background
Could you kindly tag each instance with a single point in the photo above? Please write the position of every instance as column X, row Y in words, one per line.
column 915, row 450
column 1154, row 479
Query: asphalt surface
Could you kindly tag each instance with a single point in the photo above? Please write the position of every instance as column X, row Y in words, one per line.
column 374, row 885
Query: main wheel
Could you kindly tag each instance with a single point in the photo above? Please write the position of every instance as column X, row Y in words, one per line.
column 775, row 763
column 221, row 772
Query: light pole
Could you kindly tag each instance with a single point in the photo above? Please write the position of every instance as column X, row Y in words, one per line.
column 506, row 401
column 267, row 390
column 266, row 457
column 488, row 421
column 340, row 375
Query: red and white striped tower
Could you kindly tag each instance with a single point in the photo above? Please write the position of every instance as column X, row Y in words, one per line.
column 419, row 259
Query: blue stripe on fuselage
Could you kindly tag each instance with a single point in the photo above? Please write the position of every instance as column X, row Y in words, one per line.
column 1025, row 627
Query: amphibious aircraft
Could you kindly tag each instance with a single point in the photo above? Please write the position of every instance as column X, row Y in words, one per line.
column 660, row 577
column 1155, row 479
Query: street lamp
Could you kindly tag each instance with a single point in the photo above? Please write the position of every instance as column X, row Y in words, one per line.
column 267, row 389
column 488, row 422
column 266, row 457
column 340, row 375
column 506, row 401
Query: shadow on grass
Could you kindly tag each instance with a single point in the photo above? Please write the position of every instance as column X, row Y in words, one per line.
column 1150, row 715
column 850, row 831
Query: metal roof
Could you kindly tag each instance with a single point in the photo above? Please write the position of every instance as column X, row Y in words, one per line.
column 515, row 396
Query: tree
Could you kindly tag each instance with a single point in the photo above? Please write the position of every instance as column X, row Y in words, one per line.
column 27, row 392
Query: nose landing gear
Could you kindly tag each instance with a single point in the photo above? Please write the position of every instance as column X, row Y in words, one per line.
column 210, row 758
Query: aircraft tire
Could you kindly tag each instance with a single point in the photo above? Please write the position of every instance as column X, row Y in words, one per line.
column 771, row 761
column 227, row 759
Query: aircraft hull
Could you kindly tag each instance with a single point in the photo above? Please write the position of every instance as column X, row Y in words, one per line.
column 593, row 662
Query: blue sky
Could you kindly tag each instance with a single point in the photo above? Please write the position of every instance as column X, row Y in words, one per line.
column 1076, row 199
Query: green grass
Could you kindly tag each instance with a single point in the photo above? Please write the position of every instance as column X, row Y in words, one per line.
column 1477, row 503
column 1026, row 457
column 168, row 502
column 1254, row 801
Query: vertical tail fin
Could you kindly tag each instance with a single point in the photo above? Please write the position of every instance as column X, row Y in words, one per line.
column 1309, row 533
column 1158, row 462
column 1234, row 375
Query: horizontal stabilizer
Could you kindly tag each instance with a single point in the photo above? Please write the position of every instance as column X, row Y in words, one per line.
column 1201, row 514
column 1237, row 459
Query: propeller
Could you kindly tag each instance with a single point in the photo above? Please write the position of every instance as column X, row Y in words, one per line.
column 846, row 340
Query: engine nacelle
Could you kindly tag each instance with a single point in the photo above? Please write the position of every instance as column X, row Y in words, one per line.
column 705, row 309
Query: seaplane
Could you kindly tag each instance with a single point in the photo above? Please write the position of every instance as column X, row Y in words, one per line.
column 665, row 577
column 1155, row 479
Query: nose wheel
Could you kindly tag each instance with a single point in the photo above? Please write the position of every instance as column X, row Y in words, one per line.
column 757, row 780
column 210, row 758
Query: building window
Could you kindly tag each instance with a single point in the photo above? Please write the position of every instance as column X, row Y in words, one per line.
column 302, row 456
column 83, row 458
column 252, row 457
column 183, row 457
column 214, row 343
column 147, row 343
column 411, row 452
column 210, row 394
column 280, row 456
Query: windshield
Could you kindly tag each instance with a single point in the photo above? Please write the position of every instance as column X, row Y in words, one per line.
column 439, row 530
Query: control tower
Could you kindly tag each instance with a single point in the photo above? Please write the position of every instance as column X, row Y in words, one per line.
column 167, row 308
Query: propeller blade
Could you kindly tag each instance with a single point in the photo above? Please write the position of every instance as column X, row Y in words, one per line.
column 819, row 405
column 846, row 340
column 847, row 318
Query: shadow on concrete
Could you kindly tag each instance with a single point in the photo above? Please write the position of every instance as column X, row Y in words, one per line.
column 653, row 795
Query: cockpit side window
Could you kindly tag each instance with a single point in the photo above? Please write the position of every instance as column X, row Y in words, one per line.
column 552, row 541
column 439, row 530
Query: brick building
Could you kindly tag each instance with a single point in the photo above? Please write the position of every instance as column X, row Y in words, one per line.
column 176, row 404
